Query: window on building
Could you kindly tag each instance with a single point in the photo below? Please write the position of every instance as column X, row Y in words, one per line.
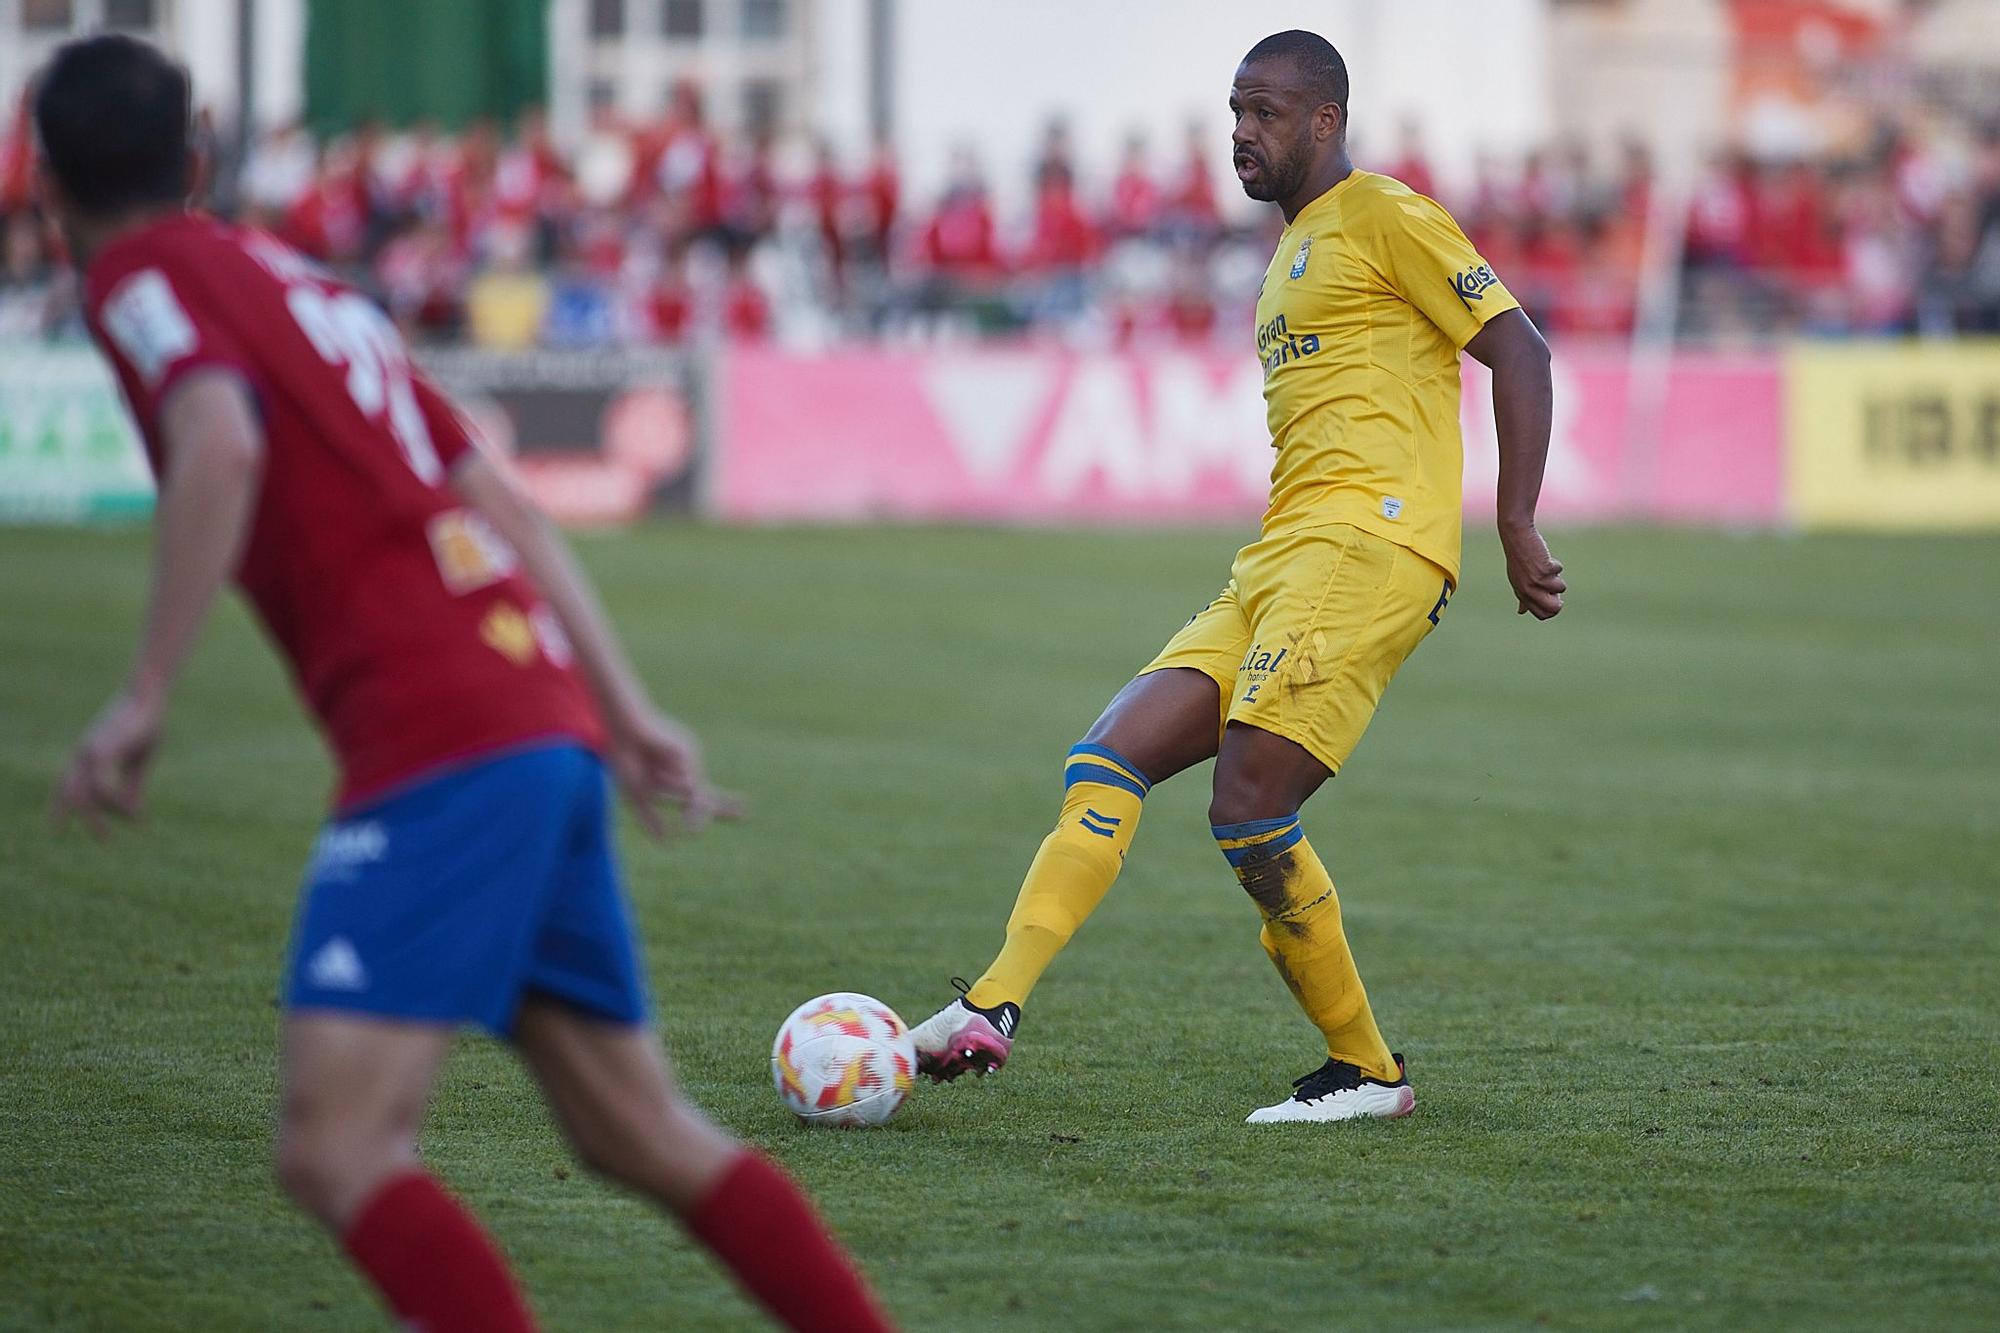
column 128, row 13
column 763, row 104
column 763, row 19
column 607, row 18
column 48, row 15
column 683, row 18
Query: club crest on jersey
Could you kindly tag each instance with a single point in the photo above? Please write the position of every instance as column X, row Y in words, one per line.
column 1471, row 284
column 470, row 555
column 1299, row 259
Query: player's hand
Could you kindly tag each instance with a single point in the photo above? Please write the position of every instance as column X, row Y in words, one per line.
column 658, row 762
column 1535, row 574
column 107, row 773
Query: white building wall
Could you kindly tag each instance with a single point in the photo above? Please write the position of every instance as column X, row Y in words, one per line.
column 199, row 33
column 993, row 75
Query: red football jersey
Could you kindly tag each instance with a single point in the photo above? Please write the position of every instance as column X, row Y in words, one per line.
column 413, row 635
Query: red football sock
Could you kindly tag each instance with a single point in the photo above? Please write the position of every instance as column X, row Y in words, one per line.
column 760, row 1225
column 432, row 1263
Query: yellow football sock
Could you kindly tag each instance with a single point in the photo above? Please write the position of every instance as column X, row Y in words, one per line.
column 1102, row 797
column 1285, row 878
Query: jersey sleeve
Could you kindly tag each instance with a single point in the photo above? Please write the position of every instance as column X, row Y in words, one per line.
column 158, row 337
column 450, row 435
column 1431, row 264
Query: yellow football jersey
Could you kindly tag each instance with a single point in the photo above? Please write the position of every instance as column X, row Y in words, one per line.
column 1371, row 294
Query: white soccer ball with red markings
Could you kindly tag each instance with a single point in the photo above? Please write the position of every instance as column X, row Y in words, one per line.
column 843, row 1059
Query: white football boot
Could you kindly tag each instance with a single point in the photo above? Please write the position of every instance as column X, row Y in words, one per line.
column 1339, row 1091
column 960, row 1039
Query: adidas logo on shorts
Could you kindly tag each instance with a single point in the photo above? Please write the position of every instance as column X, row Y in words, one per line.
column 336, row 966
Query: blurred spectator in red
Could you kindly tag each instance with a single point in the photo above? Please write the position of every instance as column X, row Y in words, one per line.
column 668, row 314
column 1135, row 195
column 686, row 164
column 329, row 221
column 958, row 240
column 32, row 300
column 1063, row 237
column 1544, row 191
column 1718, row 228
column 1493, row 206
column 17, row 155
column 1057, row 160
column 1878, row 262
column 750, row 193
column 471, row 197
column 1790, row 231
column 746, row 311
column 430, row 184
column 280, row 169
column 1191, row 206
column 1628, row 205
column 1412, row 164
column 826, row 194
column 422, row 279
column 530, row 178
column 598, row 236
column 878, row 199
column 1190, row 314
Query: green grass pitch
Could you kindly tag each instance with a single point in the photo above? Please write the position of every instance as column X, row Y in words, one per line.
column 1683, row 906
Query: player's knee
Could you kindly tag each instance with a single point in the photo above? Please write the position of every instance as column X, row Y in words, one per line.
column 327, row 1162
column 309, row 1170
column 669, row 1162
column 1241, row 795
column 621, row 1159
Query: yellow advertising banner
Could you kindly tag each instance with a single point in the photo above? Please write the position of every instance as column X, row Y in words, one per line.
column 1893, row 436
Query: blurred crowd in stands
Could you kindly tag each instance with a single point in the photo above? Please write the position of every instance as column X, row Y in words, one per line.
column 661, row 233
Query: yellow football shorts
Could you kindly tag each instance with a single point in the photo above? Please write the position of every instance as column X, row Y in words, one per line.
column 1308, row 632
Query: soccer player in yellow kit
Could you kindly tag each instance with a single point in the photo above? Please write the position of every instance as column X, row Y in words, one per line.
column 1369, row 299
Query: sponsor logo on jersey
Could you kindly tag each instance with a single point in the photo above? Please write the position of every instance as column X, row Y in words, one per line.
column 1277, row 345
column 147, row 322
column 507, row 632
column 1259, row 665
column 1299, row 259
column 1471, row 284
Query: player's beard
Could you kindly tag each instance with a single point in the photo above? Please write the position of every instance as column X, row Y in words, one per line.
column 1283, row 177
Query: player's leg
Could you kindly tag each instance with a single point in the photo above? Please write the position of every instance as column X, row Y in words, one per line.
column 609, row 1087
column 355, row 1090
column 418, row 913
column 1159, row 725
column 1334, row 614
column 1261, row 782
column 580, row 1020
column 1163, row 722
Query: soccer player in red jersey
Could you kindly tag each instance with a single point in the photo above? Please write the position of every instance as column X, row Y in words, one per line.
column 473, row 693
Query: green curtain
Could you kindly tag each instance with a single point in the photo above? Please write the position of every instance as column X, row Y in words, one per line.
column 405, row 60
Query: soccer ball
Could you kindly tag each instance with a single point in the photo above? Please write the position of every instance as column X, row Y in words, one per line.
column 843, row 1059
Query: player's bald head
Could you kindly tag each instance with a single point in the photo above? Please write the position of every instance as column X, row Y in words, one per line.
column 1316, row 69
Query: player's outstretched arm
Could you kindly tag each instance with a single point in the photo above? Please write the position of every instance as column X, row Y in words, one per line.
column 213, row 453
column 1523, row 403
column 655, row 757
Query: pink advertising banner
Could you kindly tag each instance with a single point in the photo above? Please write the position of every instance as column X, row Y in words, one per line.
column 1050, row 435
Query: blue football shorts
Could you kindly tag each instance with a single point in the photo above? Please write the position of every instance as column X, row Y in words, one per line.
column 453, row 899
